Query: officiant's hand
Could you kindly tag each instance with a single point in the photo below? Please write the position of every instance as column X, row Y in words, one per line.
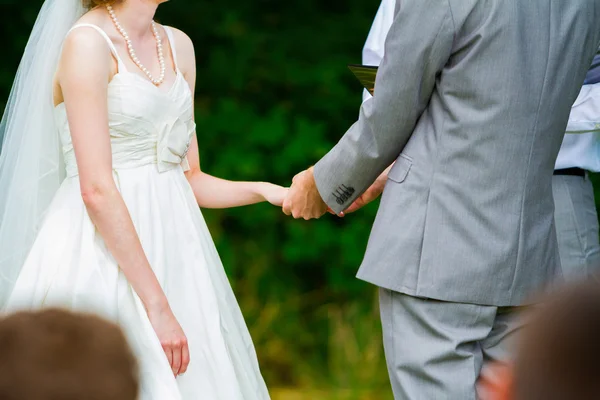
column 303, row 199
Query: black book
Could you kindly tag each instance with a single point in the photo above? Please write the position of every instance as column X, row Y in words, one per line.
column 365, row 74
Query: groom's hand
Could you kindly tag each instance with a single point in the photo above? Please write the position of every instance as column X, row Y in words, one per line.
column 303, row 199
column 368, row 196
column 371, row 193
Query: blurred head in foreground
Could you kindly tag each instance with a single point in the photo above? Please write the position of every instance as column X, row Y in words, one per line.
column 558, row 355
column 54, row 354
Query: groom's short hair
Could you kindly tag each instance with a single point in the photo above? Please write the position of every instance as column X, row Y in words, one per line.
column 558, row 356
column 55, row 354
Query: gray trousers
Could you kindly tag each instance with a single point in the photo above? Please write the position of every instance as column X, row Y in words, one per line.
column 436, row 349
column 576, row 226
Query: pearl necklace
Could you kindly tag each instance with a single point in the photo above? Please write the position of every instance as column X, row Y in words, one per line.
column 134, row 58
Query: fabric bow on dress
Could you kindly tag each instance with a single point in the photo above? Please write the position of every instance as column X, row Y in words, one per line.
column 173, row 144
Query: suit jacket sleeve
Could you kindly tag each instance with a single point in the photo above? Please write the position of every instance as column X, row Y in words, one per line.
column 416, row 49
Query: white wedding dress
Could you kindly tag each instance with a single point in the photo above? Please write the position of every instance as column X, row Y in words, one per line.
column 70, row 266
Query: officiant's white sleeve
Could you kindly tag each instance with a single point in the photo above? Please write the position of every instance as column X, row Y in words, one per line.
column 416, row 49
column 374, row 46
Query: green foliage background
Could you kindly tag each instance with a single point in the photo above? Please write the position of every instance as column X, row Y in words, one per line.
column 273, row 95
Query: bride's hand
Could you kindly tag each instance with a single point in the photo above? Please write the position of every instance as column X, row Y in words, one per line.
column 274, row 194
column 171, row 336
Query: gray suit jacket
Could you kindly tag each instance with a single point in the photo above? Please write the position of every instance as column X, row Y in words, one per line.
column 471, row 100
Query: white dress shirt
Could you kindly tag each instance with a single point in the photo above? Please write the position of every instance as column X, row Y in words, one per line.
column 581, row 145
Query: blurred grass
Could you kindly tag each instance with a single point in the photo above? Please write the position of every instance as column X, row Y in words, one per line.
column 355, row 362
column 295, row 394
column 311, row 346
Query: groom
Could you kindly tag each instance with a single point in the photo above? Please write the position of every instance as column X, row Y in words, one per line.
column 471, row 102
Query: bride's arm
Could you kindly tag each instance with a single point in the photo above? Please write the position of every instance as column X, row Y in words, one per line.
column 83, row 76
column 213, row 192
column 210, row 191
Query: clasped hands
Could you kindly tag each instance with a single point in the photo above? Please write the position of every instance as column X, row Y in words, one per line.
column 303, row 200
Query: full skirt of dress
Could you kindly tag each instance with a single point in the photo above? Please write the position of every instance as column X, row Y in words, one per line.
column 70, row 266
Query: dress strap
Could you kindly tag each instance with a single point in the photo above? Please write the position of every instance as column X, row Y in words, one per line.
column 171, row 45
column 111, row 45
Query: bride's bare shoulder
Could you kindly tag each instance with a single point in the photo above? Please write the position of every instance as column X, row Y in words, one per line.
column 180, row 36
column 83, row 42
column 84, row 49
column 185, row 50
column 182, row 40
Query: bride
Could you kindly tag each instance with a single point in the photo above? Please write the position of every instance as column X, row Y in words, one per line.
column 100, row 184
